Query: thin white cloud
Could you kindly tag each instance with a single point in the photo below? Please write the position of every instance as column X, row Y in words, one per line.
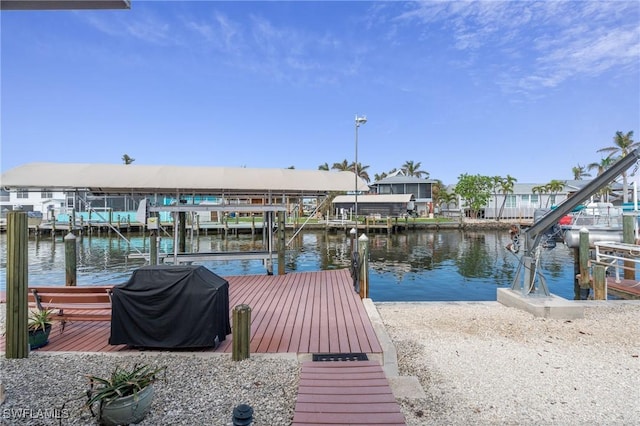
column 149, row 29
column 551, row 41
column 220, row 32
column 282, row 52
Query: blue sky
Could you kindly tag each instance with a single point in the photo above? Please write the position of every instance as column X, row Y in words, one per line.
column 528, row 89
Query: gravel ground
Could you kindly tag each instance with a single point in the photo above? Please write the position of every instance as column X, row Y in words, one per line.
column 199, row 389
column 479, row 363
column 487, row 364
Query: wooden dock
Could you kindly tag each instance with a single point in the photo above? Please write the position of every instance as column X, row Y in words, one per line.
column 625, row 288
column 345, row 393
column 303, row 313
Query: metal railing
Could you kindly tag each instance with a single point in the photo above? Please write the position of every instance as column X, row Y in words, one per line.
column 617, row 256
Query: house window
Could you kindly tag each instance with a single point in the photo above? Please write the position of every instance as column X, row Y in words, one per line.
column 384, row 189
column 511, row 201
column 22, row 193
column 412, row 188
column 46, row 194
column 535, row 199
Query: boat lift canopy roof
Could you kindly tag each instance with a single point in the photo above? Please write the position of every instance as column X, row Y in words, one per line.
column 146, row 179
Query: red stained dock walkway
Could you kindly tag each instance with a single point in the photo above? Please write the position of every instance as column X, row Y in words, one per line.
column 345, row 393
column 303, row 313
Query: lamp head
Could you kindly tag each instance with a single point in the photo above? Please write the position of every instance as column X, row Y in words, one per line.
column 360, row 120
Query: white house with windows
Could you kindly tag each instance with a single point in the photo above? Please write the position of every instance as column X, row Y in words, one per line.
column 43, row 201
column 523, row 201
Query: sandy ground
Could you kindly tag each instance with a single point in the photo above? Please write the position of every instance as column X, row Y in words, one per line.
column 484, row 363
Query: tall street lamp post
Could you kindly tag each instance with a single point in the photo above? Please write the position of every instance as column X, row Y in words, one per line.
column 359, row 121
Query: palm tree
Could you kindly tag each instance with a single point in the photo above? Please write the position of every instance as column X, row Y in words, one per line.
column 495, row 185
column 603, row 165
column 127, row 160
column 540, row 189
column 377, row 177
column 343, row 167
column 623, row 145
column 554, row 187
column 324, row 167
column 438, row 190
column 579, row 172
column 411, row 168
column 506, row 187
column 362, row 171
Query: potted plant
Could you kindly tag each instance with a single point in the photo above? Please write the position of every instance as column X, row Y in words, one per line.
column 124, row 397
column 39, row 326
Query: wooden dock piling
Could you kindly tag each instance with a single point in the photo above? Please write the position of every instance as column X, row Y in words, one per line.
column 17, row 343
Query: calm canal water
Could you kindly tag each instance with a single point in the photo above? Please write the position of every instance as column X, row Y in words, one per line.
column 446, row 265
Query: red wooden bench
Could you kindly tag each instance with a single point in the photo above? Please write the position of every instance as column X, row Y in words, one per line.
column 69, row 303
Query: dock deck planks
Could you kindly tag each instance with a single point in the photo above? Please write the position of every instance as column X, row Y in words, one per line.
column 301, row 312
column 345, row 393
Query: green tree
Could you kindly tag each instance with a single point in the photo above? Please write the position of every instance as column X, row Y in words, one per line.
column 540, row 189
column 127, row 160
column 377, row 177
column 441, row 197
column 343, row 167
column 495, row 187
column 411, row 168
column 324, row 167
column 579, row 172
column 475, row 190
column 362, row 171
column 446, row 198
column 506, row 187
column 623, row 144
column 553, row 187
column 603, row 165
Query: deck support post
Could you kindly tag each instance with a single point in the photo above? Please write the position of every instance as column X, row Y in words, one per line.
column 182, row 232
column 241, row 328
column 363, row 251
column 17, row 343
column 585, row 282
column 153, row 247
column 628, row 237
column 599, row 283
column 281, row 243
column 70, row 258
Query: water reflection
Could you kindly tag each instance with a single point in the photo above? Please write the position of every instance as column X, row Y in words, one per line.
column 414, row 266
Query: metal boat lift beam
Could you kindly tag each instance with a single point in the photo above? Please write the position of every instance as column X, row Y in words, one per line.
column 534, row 233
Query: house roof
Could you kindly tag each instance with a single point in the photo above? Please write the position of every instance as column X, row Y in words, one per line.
column 129, row 178
column 376, row 198
column 401, row 179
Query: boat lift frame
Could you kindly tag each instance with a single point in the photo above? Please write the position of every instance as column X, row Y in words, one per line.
column 527, row 272
column 266, row 256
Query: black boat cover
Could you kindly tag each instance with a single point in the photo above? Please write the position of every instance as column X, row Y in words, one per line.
column 170, row 306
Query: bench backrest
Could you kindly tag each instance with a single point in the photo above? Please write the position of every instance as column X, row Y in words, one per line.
column 70, row 295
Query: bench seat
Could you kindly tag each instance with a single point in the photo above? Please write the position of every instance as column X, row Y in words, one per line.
column 84, row 303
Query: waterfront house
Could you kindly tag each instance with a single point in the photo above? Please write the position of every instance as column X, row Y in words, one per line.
column 420, row 189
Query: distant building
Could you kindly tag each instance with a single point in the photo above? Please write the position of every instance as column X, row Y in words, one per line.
column 421, row 189
column 388, row 205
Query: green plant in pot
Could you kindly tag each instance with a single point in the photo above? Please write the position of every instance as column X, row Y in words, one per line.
column 39, row 326
column 124, row 397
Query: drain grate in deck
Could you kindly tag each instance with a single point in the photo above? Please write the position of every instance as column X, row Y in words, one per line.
column 341, row 357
